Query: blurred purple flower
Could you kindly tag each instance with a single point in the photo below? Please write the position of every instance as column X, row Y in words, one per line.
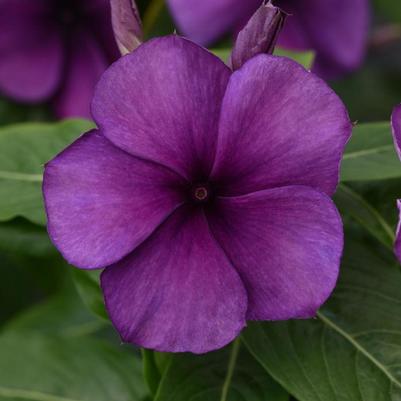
column 55, row 49
column 396, row 125
column 336, row 29
column 204, row 193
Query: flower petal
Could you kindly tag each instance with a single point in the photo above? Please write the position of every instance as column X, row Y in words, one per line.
column 280, row 125
column 85, row 66
column 286, row 244
column 397, row 246
column 396, row 126
column 101, row 202
column 336, row 29
column 162, row 102
column 177, row 292
column 206, row 20
column 31, row 51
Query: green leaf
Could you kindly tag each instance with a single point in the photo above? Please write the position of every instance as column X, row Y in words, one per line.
column 63, row 314
column 12, row 112
column 390, row 8
column 30, row 268
column 230, row 374
column 88, row 286
column 24, row 149
column 350, row 203
column 370, row 154
column 304, row 58
column 353, row 350
column 49, row 368
column 223, row 53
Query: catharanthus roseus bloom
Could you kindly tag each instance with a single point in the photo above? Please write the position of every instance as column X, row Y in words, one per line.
column 396, row 124
column 204, row 193
column 55, row 49
column 336, row 29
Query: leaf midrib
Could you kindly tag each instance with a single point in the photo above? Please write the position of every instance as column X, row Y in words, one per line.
column 11, row 175
column 31, row 395
column 358, row 346
column 367, row 152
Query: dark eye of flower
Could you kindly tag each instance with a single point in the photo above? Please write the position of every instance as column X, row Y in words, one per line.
column 68, row 13
column 201, row 193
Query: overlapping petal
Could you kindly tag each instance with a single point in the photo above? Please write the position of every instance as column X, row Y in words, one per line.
column 178, row 291
column 31, row 51
column 101, row 202
column 86, row 63
column 336, row 29
column 286, row 244
column 280, row 125
column 168, row 104
column 205, row 21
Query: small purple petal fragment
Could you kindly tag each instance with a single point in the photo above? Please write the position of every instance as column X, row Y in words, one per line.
column 127, row 25
column 162, row 102
column 280, row 125
column 177, row 292
column 286, row 244
column 101, row 202
column 397, row 245
column 259, row 35
column 396, row 126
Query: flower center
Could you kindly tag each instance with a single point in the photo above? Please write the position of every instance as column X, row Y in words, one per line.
column 68, row 13
column 200, row 193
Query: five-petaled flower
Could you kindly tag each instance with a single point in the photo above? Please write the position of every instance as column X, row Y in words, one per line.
column 396, row 125
column 204, row 193
column 336, row 29
column 55, row 50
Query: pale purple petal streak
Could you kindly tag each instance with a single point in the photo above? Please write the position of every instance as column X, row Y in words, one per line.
column 396, row 126
column 397, row 245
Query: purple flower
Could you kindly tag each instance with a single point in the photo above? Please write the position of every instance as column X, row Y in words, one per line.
column 55, row 49
column 204, row 193
column 396, row 125
column 336, row 29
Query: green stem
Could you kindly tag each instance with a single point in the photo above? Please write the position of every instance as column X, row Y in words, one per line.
column 230, row 370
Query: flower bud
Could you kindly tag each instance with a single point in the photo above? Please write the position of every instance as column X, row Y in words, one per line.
column 259, row 35
column 127, row 25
